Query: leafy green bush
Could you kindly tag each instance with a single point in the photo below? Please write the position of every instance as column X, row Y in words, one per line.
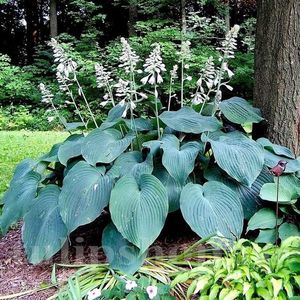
column 25, row 117
column 141, row 165
column 248, row 272
column 15, row 83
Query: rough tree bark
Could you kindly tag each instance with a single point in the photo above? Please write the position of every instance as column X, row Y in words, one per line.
column 227, row 15
column 183, row 17
column 32, row 30
column 53, row 18
column 132, row 17
column 277, row 74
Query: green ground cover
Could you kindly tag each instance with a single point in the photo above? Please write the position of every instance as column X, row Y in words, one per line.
column 18, row 145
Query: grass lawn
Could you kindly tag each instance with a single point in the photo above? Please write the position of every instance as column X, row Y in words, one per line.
column 17, row 145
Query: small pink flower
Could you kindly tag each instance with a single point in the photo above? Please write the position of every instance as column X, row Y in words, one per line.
column 94, row 294
column 151, row 291
column 130, row 285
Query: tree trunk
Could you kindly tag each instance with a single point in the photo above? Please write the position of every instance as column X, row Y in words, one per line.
column 183, row 16
column 53, row 18
column 227, row 15
column 32, row 31
column 277, row 71
column 132, row 17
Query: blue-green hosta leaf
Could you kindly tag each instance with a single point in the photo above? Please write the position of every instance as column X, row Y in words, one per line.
column 19, row 199
column 179, row 161
column 74, row 126
column 266, row 236
column 44, row 232
column 172, row 186
column 139, row 124
column 153, row 146
column 139, row 209
column 240, row 111
column 249, row 196
column 265, row 218
column 104, row 146
column 239, row 156
column 289, row 190
column 277, row 149
column 121, row 254
column 131, row 163
column 85, row 192
column 113, row 117
column 23, row 168
column 212, row 208
column 271, row 160
column 52, row 155
column 287, row 230
column 70, row 148
column 188, row 121
column 291, row 183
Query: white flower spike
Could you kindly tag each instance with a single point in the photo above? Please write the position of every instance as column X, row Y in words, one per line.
column 154, row 67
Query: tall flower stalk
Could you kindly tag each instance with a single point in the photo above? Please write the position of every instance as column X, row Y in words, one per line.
column 129, row 60
column 64, row 86
column 185, row 55
column 212, row 78
column 104, row 80
column 67, row 69
column 154, row 67
column 173, row 76
column 47, row 98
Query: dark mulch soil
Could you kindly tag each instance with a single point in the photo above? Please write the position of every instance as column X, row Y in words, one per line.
column 17, row 275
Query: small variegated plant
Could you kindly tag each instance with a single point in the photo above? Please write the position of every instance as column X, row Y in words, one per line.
column 247, row 271
column 145, row 160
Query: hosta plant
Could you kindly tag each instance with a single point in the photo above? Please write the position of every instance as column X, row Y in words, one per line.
column 140, row 166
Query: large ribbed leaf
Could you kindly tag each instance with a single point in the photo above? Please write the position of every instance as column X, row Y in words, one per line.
column 239, row 156
column 104, row 146
column 19, row 199
column 172, row 186
column 44, row 232
column 271, row 160
column 85, row 192
column 52, row 155
column 289, row 190
column 139, row 124
column 113, row 117
column 240, row 111
column 23, row 168
column 287, row 230
column 265, row 218
column 249, row 196
column 179, row 161
column 70, row 148
column 121, row 254
column 131, row 163
column 189, row 121
column 277, row 149
column 211, row 209
column 139, row 209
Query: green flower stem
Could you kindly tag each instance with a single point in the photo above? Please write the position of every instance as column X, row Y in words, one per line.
column 182, row 82
column 170, row 94
column 109, row 89
column 85, row 100
column 156, row 112
column 76, row 107
column 277, row 210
